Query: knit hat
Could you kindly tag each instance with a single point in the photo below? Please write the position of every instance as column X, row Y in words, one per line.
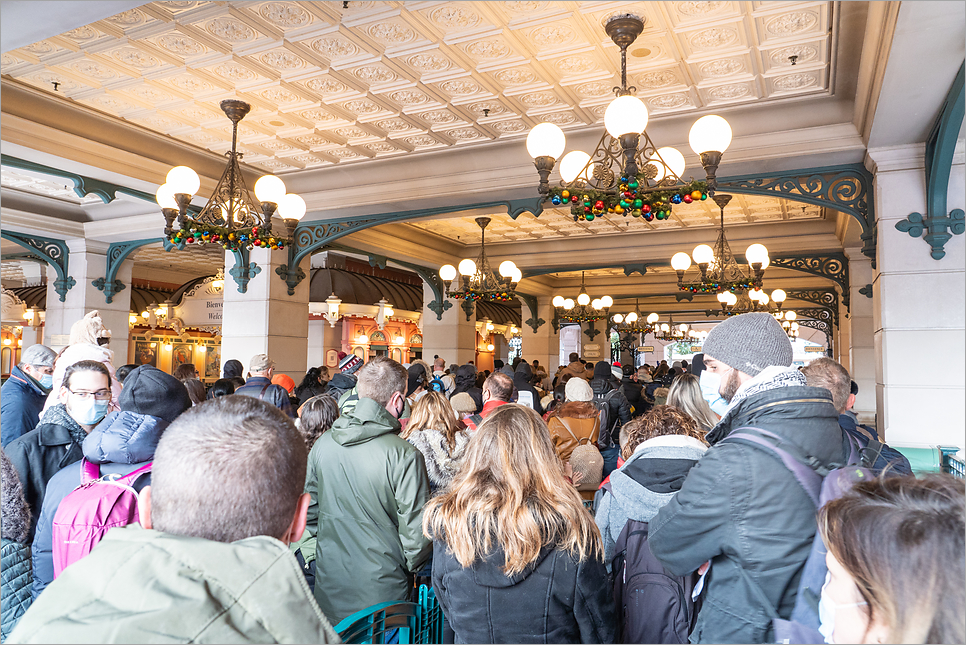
column 602, row 370
column 285, row 381
column 617, row 372
column 148, row 390
column 577, row 389
column 260, row 363
column 749, row 343
column 349, row 363
column 463, row 403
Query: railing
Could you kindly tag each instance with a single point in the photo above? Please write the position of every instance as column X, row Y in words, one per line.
column 951, row 464
column 420, row 622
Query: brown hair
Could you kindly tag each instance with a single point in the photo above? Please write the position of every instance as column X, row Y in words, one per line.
column 511, row 490
column 184, row 372
column 830, row 375
column 228, row 469
column 685, row 394
column 433, row 412
column 662, row 420
column 85, row 366
column 316, row 416
column 380, row 378
column 901, row 539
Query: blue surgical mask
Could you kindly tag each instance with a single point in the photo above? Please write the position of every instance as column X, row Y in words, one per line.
column 710, row 384
column 88, row 412
column 826, row 611
column 46, row 381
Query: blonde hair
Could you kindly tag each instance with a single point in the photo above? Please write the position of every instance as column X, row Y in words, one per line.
column 433, row 412
column 685, row 394
column 511, row 490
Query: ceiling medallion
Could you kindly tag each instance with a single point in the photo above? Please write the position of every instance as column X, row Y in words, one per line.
column 627, row 173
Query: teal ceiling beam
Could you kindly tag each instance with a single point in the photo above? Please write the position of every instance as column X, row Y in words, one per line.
column 53, row 252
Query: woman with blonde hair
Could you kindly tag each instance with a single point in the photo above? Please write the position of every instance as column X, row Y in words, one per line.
column 516, row 557
column 436, row 432
column 685, row 395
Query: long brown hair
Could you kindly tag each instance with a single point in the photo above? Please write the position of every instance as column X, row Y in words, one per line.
column 901, row 539
column 511, row 490
column 433, row 412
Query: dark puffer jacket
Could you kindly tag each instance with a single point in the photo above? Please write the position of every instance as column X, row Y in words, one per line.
column 339, row 385
column 742, row 509
column 557, row 599
column 522, row 381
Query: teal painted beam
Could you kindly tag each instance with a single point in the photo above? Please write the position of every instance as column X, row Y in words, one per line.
column 53, row 252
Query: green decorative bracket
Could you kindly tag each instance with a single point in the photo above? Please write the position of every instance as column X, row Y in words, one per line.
column 244, row 271
column 544, row 270
column 469, row 307
column 291, row 278
column 53, row 252
column 439, row 306
column 684, row 295
column 820, row 325
column 591, row 330
column 834, row 266
column 110, row 289
column 823, row 314
column 534, row 322
column 117, row 252
column 937, row 227
column 866, row 290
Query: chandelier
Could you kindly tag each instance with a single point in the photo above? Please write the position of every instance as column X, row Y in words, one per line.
column 627, row 173
column 634, row 322
column 719, row 269
column 669, row 332
column 754, row 300
column 477, row 280
column 231, row 218
column 584, row 309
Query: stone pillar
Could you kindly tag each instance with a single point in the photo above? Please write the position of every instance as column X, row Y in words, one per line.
column 861, row 349
column 323, row 337
column 453, row 337
column 87, row 263
column 542, row 344
column 32, row 336
column 918, row 304
column 265, row 319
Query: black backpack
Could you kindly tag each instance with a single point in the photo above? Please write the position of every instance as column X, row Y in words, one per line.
column 653, row 605
column 608, row 421
column 875, row 455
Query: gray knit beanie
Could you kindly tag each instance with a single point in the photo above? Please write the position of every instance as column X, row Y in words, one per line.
column 749, row 343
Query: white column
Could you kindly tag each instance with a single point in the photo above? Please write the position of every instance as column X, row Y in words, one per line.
column 861, row 349
column 453, row 337
column 265, row 319
column 323, row 337
column 843, row 347
column 918, row 304
column 542, row 344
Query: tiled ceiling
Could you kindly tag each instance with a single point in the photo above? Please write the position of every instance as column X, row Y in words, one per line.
column 559, row 223
column 331, row 85
column 45, row 185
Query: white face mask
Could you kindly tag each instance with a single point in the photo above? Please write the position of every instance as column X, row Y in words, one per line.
column 710, row 384
column 826, row 611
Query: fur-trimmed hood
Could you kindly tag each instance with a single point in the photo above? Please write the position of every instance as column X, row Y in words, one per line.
column 441, row 463
column 15, row 518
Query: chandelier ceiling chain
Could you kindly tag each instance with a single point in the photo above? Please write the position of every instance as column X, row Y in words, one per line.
column 478, row 281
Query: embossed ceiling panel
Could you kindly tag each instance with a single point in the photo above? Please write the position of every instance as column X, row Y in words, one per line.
column 558, row 223
column 335, row 85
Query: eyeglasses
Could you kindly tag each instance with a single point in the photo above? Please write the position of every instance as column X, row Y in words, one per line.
column 100, row 395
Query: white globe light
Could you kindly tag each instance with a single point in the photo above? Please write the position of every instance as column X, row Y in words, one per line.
column 569, row 304
column 183, row 179
column 652, row 318
column 583, row 299
column 763, row 299
column 680, row 262
column 595, row 303
column 723, row 297
column 573, row 164
column 546, row 140
column 489, row 347
column 291, row 207
column 683, row 327
column 710, row 133
column 790, row 315
column 756, row 254
column 632, row 317
column 702, row 254
column 607, row 301
column 517, row 275
column 363, row 339
column 165, row 197
column 270, row 188
column 507, row 268
column 756, row 294
column 673, row 158
column 665, row 327
column 447, row 272
column 625, row 115
column 795, row 326
column 558, row 301
column 467, row 267
column 778, row 295
column 618, row 318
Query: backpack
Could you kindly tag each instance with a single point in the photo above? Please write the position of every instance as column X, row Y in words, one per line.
column 607, row 421
column 525, row 398
column 586, row 459
column 876, row 455
column 91, row 510
column 436, row 385
column 653, row 605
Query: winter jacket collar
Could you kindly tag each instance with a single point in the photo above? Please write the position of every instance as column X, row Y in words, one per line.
column 27, row 381
column 124, row 438
column 653, row 473
column 58, row 428
column 441, row 462
column 367, row 420
column 490, row 406
column 770, row 378
column 488, row 571
column 670, row 441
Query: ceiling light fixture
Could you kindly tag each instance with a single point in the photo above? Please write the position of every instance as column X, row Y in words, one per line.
column 634, row 322
column 477, row 280
column 622, row 176
column 231, row 218
column 583, row 309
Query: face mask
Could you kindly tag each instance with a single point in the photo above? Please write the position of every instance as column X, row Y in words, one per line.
column 710, row 384
column 46, row 381
column 826, row 611
column 88, row 412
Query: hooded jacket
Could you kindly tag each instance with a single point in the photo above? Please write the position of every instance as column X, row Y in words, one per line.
column 645, row 483
column 576, row 369
column 442, row 462
column 367, row 488
column 42, row 452
column 581, row 419
column 633, row 393
column 466, row 382
column 21, row 401
column 340, row 384
column 742, row 509
column 139, row 586
column 522, row 378
column 556, row 599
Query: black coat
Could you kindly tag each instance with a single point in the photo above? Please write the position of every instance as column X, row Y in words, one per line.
column 620, row 409
column 466, row 382
column 632, row 392
column 555, row 600
column 259, row 387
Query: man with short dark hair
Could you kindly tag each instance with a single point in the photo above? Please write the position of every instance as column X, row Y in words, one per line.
column 368, row 488
column 574, row 368
column 260, row 386
column 497, row 391
column 23, row 396
column 211, row 563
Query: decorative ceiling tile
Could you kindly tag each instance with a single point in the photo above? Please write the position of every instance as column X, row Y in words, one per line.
column 375, row 74
column 189, row 83
column 394, row 125
column 461, row 87
column 335, row 47
column 151, row 94
column 488, row 49
column 180, row 45
column 539, row 99
column 438, row 117
column 285, row 15
column 230, row 30
column 667, row 102
column 93, row 69
column 792, row 24
column 559, row 118
column 421, row 140
column 410, row 97
column 342, row 153
column 429, row 62
column 326, row 85
column 283, row 60
column 352, row 132
column 490, row 108
column 127, row 19
column 509, row 127
column 729, row 92
column 135, row 58
column 312, row 140
column 713, row 38
column 552, row 36
column 453, row 17
column 381, row 146
column 234, row 73
column 721, row 67
column 594, row 89
column 279, row 95
column 82, row 35
column 391, row 33
column 362, row 106
column 656, row 80
column 318, row 116
column 110, row 103
column 575, row 65
column 700, row 9
column 463, row 134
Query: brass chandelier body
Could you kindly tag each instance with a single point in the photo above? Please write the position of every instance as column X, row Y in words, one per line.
column 478, row 280
column 583, row 309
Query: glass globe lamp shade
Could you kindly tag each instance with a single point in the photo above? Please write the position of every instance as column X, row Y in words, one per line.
column 756, row 294
column 546, row 140
column 652, row 318
column 596, row 304
column 292, row 206
column 618, row 318
column 447, row 272
column 388, row 312
column 791, row 315
column 145, row 314
column 573, row 164
column 732, row 299
column 683, row 327
column 680, row 261
column 270, row 188
column 489, row 347
column 467, row 267
column 795, row 326
column 778, row 295
column 583, row 299
column 723, row 297
column 569, row 304
column 558, row 301
column 517, row 275
column 607, row 301
column 673, row 158
column 710, row 133
column 665, row 327
column 362, row 339
column 507, row 269
column 625, row 115
column 702, row 254
column 165, row 197
column 183, row 179
column 132, row 319
column 632, row 317
column 757, row 254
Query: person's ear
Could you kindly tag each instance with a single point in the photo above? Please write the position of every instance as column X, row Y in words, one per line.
column 297, row 527
column 144, row 507
column 849, row 402
column 64, row 393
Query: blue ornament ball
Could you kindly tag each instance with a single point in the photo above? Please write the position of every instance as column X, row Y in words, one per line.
column 675, row 199
column 555, row 201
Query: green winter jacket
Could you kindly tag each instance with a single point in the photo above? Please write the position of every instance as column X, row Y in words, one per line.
column 368, row 489
column 140, row 586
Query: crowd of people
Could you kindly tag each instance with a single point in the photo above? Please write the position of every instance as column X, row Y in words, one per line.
column 599, row 504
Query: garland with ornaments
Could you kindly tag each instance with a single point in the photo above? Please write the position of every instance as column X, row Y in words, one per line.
column 632, row 197
column 195, row 232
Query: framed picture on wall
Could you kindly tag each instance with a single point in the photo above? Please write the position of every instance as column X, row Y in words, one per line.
column 331, row 358
column 181, row 353
column 146, row 353
column 213, row 362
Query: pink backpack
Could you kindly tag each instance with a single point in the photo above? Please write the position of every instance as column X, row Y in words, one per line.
column 86, row 515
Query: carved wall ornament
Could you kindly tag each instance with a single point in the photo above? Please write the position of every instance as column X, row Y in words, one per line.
column 460, row 87
column 455, row 17
column 334, row 47
column 575, row 65
column 326, row 86
column 183, row 45
column 726, row 92
column 509, row 126
column 393, row 125
column 699, row 7
column 490, row 49
column 280, row 95
column 93, row 70
column 596, row 88
column 391, row 32
column 428, row 62
column 287, row 15
column 515, row 76
column 230, row 30
column 790, row 24
column 409, row 97
column 82, row 34
column 282, row 59
column 668, row 101
column 421, row 140
column 558, row 118
column 375, row 74
column 135, row 58
column 654, row 80
column 721, row 67
column 794, row 81
column 437, row 116
column 312, row 140
column 361, row 106
column 235, row 72
column 713, row 38
column 805, row 53
column 127, row 18
column 539, row 99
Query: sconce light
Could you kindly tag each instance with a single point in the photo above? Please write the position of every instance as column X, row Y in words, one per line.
column 154, row 344
column 362, row 339
column 145, row 314
column 218, row 284
column 167, row 347
column 385, row 311
column 132, row 319
column 489, row 347
column 399, row 340
column 7, row 341
column 332, row 315
column 202, row 348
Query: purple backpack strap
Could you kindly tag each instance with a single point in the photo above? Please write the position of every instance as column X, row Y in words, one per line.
column 89, row 471
column 810, row 480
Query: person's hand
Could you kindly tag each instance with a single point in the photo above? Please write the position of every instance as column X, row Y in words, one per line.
column 577, row 477
column 704, row 568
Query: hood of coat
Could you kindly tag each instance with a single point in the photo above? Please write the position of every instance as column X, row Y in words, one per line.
column 577, row 410
column 124, row 438
column 488, row 572
column 442, row 462
column 366, row 421
column 523, row 373
column 465, row 377
column 343, row 381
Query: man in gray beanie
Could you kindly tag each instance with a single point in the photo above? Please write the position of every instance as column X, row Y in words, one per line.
column 23, row 395
column 740, row 509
